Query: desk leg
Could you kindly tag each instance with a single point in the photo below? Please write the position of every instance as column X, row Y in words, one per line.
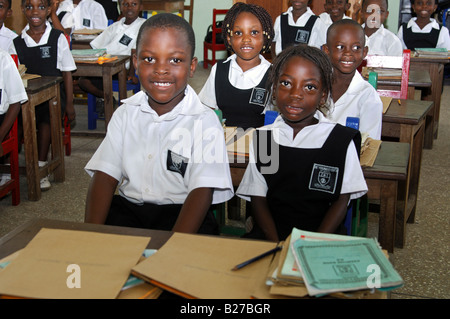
column 56, row 136
column 31, row 152
column 107, row 94
column 388, row 205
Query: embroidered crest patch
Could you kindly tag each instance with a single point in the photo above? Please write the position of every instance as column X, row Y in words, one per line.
column 302, row 36
column 125, row 40
column 176, row 163
column 45, row 52
column 86, row 22
column 258, row 96
column 324, row 178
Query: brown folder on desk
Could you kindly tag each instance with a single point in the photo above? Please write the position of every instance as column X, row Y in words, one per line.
column 41, row 270
column 195, row 266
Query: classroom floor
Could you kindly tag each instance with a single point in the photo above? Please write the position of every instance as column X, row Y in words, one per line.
column 423, row 263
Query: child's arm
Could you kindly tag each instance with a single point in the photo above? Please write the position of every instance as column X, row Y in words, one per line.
column 335, row 215
column 131, row 71
column 68, row 86
column 8, row 121
column 55, row 20
column 263, row 217
column 194, row 210
column 99, row 197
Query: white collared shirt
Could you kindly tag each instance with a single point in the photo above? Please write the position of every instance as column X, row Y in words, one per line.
column 237, row 77
column 384, row 42
column 310, row 137
column 11, row 85
column 443, row 40
column 139, row 143
column 360, row 100
column 65, row 60
column 6, row 38
column 318, row 33
column 326, row 18
column 88, row 10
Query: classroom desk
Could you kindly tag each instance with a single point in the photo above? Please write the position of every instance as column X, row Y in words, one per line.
column 418, row 79
column 106, row 70
column 167, row 6
column 405, row 122
column 435, row 67
column 40, row 90
column 383, row 179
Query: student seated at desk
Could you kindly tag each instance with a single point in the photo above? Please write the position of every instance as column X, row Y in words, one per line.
column 423, row 31
column 45, row 51
column 82, row 14
column 12, row 95
column 353, row 96
column 6, row 35
column 314, row 167
column 379, row 40
column 165, row 148
column 118, row 39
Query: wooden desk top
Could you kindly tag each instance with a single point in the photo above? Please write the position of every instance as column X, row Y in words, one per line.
column 43, row 82
column 19, row 237
column 110, row 64
column 409, row 112
column 391, row 162
column 417, row 78
column 429, row 59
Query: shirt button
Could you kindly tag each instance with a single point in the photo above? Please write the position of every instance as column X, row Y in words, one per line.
column 149, row 156
column 146, row 190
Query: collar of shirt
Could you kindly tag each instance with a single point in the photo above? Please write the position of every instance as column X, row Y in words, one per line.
column 427, row 29
column 302, row 20
column 190, row 105
column 29, row 40
column 249, row 78
column 356, row 85
column 379, row 32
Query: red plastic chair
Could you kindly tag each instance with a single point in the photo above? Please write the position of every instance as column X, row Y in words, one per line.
column 213, row 46
column 10, row 146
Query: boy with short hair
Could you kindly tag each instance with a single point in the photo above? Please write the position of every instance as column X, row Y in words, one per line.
column 6, row 35
column 380, row 40
column 298, row 25
column 334, row 11
column 352, row 95
column 81, row 14
column 164, row 147
column 423, row 31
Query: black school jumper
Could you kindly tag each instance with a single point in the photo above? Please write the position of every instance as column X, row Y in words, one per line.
column 294, row 34
column 415, row 40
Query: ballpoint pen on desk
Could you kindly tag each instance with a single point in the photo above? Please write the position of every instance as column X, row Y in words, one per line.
column 248, row 262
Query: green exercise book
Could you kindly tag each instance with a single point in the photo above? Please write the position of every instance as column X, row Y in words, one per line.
column 336, row 266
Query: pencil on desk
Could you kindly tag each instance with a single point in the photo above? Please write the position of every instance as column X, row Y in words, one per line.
column 399, row 102
column 252, row 260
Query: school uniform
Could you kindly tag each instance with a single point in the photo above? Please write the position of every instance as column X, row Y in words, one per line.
column 49, row 57
column 240, row 95
column 384, row 42
column 11, row 85
column 119, row 38
column 6, row 38
column 307, row 29
column 301, row 179
column 326, row 18
column 433, row 35
column 88, row 14
column 159, row 160
column 360, row 100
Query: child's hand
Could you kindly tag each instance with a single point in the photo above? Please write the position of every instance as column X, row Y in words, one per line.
column 70, row 111
column 133, row 79
column 55, row 5
column 357, row 6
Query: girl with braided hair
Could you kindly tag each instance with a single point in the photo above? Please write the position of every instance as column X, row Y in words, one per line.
column 237, row 85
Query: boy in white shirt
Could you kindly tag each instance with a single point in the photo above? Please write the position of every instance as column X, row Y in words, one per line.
column 352, row 95
column 82, row 14
column 380, row 40
column 334, row 11
column 6, row 35
column 12, row 95
column 163, row 147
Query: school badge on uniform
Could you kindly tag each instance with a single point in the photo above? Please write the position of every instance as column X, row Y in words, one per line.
column 302, row 36
column 324, row 178
column 125, row 40
column 86, row 22
column 176, row 163
column 45, row 52
column 258, row 96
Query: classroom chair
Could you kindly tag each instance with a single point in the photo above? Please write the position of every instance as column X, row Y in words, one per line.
column 213, row 45
column 269, row 117
column 11, row 146
column 93, row 116
column 67, row 143
column 391, row 62
column 356, row 220
column 190, row 8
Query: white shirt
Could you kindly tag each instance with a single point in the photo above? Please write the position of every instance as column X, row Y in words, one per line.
column 326, row 18
column 136, row 149
column 237, row 77
column 384, row 42
column 119, row 38
column 87, row 10
column 310, row 137
column 443, row 40
column 6, row 38
column 318, row 33
column 11, row 84
column 360, row 100
column 65, row 60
